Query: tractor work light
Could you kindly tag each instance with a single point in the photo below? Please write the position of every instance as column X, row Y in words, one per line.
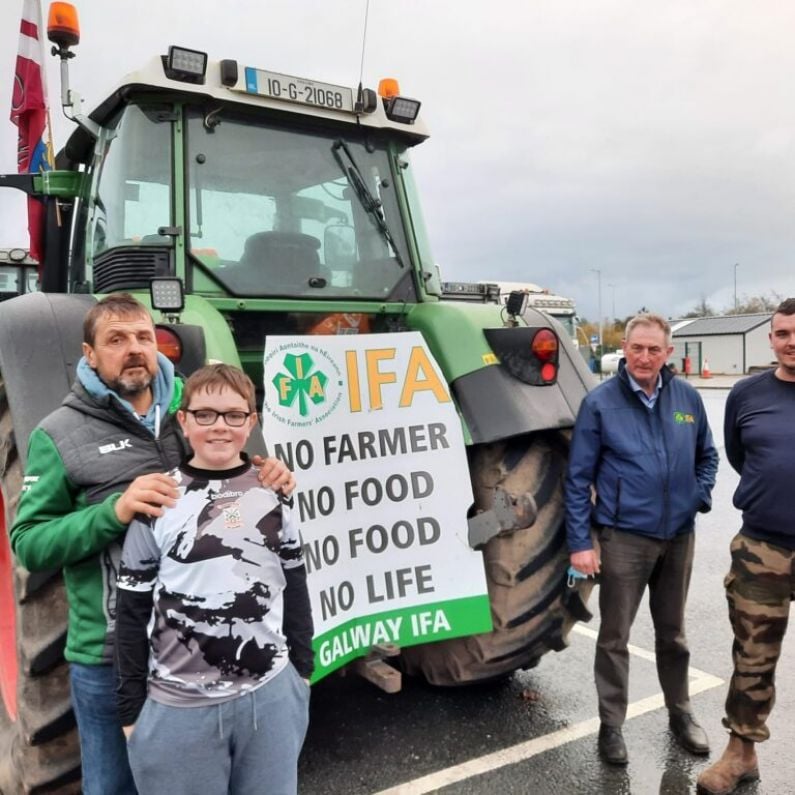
column 402, row 109
column 167, row 294
column 186, row 65
column 516, row 303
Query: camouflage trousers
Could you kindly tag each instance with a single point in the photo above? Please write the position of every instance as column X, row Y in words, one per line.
column 759, row 588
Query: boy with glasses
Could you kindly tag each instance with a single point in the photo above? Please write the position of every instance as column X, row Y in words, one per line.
column 214, row 626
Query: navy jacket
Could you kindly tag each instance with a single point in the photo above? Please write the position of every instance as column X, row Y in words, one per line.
column 653, row 470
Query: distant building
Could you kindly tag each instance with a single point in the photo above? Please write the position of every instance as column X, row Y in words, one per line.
column 732, row 344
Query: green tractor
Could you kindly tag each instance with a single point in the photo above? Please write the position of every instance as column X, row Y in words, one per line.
column 240, row 204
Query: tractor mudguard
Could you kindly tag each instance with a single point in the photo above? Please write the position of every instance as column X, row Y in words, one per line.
column 495, row 402
column 40, row 345
column 496, row 406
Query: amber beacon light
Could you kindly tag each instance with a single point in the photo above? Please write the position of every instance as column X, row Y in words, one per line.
column 63, row 27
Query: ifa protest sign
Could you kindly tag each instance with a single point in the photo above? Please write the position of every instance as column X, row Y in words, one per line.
column 368, row 425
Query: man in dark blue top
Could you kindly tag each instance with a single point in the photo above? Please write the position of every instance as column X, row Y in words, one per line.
column 760, row 444
column 642, row 443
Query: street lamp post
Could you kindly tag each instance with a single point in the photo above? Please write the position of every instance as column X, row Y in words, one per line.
column 598, row 273
column 613, row 288
column 736, row 265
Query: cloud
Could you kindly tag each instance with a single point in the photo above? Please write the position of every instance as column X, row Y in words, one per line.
column 654, row 142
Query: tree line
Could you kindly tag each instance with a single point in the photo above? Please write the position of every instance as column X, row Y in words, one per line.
column 613, row 330
column 748, row 305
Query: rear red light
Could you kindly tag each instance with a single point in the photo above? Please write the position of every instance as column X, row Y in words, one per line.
column 545, row 345
column 548, row 372
column 169, row 344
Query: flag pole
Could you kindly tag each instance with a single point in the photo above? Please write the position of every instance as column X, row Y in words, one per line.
column 50, row 146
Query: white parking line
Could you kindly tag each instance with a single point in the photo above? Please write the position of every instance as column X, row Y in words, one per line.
column 699, row 682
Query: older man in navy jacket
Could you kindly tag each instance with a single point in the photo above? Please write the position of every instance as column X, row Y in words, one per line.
column 642, row 443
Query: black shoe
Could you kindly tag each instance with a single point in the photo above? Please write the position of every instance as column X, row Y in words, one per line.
column 611, row 745
column 688, row 733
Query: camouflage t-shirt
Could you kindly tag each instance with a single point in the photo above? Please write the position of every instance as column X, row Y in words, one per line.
column 214, row 564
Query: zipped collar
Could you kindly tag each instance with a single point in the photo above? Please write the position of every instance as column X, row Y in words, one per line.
column 162, row 392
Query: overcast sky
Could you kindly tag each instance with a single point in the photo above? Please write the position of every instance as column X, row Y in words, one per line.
column 654, row 142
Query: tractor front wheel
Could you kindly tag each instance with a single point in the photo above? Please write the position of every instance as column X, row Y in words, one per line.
column 525, row 570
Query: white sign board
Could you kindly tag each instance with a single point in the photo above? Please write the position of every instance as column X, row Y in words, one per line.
column 367, row 424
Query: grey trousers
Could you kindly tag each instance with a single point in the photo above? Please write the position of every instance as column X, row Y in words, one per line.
column 630, row 562
column 246, row 746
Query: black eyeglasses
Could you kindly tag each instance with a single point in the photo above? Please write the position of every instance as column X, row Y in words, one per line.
column 235, row 419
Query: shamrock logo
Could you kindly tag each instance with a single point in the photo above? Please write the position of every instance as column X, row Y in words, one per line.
column 300, row 383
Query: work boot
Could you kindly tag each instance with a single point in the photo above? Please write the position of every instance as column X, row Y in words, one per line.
column 611, row 745
column 688, row 733
column 738, row 764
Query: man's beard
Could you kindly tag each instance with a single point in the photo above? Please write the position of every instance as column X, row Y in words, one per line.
column 128, row 385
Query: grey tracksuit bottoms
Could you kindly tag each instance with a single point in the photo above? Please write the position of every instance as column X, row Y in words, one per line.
column 245, row 746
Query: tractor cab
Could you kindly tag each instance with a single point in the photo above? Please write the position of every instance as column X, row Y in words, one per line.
column 251, row 185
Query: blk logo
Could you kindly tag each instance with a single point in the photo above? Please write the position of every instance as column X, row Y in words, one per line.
column 116, row 446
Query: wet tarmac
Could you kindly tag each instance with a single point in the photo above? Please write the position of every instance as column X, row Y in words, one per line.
column 536, row 732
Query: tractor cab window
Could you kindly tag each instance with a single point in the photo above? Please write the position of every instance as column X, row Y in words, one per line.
column 276, row 211
column 131, row 197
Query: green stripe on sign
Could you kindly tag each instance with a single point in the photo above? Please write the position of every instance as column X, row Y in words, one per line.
column 407, row 627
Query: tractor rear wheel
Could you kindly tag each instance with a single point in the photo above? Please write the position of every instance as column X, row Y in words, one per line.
column 39, row 750
column 525, row 570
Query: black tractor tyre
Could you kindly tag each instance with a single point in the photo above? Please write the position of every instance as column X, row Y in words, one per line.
column 525, row 570
column 39, row 749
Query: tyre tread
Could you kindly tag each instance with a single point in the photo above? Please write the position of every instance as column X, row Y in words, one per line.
column 42, row 746
column 525, row 571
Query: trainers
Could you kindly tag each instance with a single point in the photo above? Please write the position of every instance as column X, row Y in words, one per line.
column 611, row 745
column 688, row 733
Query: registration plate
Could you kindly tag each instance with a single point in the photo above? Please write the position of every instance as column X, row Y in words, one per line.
column 297, row 89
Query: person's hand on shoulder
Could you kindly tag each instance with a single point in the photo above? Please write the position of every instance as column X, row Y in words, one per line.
column 274, row 474
column 147, row 494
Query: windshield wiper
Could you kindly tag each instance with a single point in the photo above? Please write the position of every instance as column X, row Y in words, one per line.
column 371, row 204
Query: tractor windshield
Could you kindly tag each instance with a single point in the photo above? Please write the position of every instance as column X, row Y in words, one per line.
column 132, row 192
column 271, row 212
